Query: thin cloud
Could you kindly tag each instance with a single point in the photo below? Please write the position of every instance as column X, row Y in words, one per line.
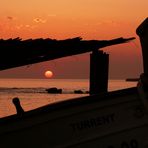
column 52, row 15
column 19, row 26
column 109, row 22
column 27, row 26
column 11, row 18
column 39, row 20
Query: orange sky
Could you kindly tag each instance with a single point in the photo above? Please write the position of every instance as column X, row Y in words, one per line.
column 90, row 19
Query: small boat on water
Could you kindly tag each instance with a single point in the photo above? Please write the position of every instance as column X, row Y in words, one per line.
column 105, row 120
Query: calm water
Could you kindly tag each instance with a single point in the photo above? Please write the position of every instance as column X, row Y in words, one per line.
column 32, row 92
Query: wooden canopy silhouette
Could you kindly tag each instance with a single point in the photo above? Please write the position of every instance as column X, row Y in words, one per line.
column 17, row 52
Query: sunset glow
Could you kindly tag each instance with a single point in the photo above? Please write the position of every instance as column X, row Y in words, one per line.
column 62, row 19
column 89, row 19
column 48, row 74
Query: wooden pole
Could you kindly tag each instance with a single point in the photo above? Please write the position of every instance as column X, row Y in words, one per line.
column 99, row 65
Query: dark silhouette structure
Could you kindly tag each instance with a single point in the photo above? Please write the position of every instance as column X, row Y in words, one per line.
column 18, row 107
column 78, row 91
column 17, row 52
column 142, row 32
column 23, row 52
column 99, row 69
column 54, row 90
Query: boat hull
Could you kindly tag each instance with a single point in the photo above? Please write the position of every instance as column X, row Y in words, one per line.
column 115, row 119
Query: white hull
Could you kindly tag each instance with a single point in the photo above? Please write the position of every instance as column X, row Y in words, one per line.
column 113, row 120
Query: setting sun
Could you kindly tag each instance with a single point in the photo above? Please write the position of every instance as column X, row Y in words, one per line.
column 48, row 74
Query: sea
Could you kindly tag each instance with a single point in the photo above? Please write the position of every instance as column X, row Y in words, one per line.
column 33, row 94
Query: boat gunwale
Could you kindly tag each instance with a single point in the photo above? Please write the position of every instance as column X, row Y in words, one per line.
column 49, row 108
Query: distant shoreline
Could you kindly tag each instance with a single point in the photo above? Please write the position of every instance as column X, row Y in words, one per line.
column 132, row 79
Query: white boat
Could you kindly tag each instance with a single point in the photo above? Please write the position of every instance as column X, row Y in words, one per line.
column 115, row 119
